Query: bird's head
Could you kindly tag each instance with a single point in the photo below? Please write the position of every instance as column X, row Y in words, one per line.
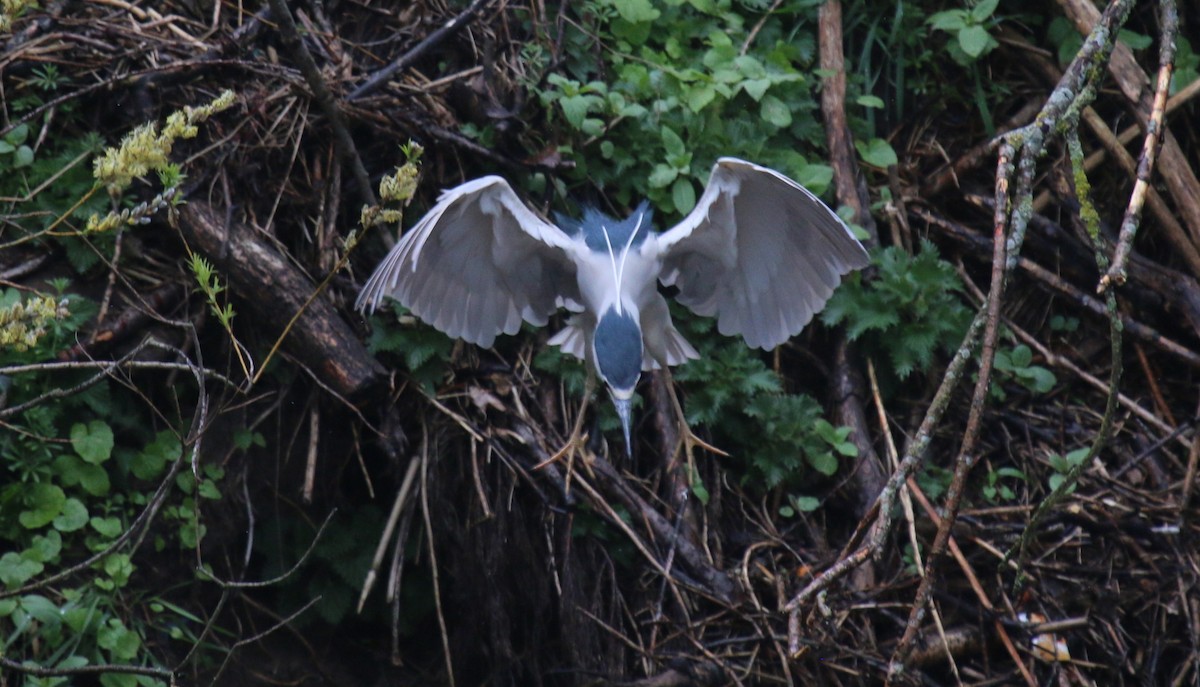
column 600, row 231
column 617, row 350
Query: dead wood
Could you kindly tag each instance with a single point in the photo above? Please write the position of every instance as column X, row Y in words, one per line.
column 274, row 291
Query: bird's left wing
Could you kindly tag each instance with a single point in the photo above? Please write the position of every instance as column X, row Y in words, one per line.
column 759, row 252
column 477, row 264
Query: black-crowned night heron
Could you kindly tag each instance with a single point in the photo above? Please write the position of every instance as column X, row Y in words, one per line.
column 759, row 252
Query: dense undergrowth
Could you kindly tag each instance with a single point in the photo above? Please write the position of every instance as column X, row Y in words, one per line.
column 179, row 498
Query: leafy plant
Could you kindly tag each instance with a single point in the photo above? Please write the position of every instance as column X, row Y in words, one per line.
column 970, row 29
column 781, row 437
column 648, row 113
column 1017, row 364
column 425, row 350
column 1063, row 465
column 907, row 313
column 995, row 489
column 799, row 504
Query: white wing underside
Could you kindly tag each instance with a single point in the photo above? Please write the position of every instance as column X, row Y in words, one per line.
column 478, row 264
column 759, row 252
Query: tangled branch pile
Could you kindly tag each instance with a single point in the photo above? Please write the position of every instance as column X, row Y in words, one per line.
column 188, row 395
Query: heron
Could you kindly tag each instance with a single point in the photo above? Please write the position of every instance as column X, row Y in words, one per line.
column 758, row 252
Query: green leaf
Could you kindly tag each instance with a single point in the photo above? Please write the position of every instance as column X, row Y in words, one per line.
column 575, row 108
column 661, row 175
column 41, row 609
column 45, row 548
column 871, row 101
column 672, row 142
column 774, row 111
column 1134, row 40
column 150, row 461
column 16, row 570
column 1038, row 379
column 118, row 640
column 119, row 567
column 18, row 135
column 1077, row 456
column 74, row 515
column 1057, row 479
column 45, row 502
column 23, row 157
column 699, row 489
column 635, row 11
column 93, row 479
column 1021, row 356
column 750, row 67
column 107, row 527
column 823, row 462
column 973, row 40
column 815, row 177
column 208, row 489
column 118, row 680
column 756, row 88
column 93, row 441
column 592, row 126
column 699, row 97
column 950, row 20
column 804, row 504
column 877, row 152
column 984, row 10
column 683, row 193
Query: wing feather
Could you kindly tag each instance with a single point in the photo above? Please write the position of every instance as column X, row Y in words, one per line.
column 759, row 252
column 477, row 264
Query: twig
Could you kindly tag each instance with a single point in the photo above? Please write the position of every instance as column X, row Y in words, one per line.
column 1075, row 90
column 325, row 99
column 1168, row 19
column 36, row 671
column 388, row 528
column 967, row 453
column 418, row 50
column 433, row 564
column 1092, row 221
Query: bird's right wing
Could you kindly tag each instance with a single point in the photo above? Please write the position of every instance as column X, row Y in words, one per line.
column 477, row 264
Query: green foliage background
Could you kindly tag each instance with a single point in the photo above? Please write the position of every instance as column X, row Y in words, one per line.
column 641, row 98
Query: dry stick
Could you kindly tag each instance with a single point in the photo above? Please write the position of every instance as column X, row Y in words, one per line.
column 1189, row 480
column 1057, row 283
column 910, row 519
column 967, row 454
column 433, row 565
column 325, row 100
column 975, row 156
column 1092, row 223
column 1114, row 147
column 386, row 537
column 103, row 669
column 1074, row 90
column 973, row 580
column 1056, row 360
column 1176, row 171
column 1168, row 19
column 418, row 50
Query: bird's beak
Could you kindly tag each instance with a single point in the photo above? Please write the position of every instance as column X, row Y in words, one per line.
column 624, row 411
